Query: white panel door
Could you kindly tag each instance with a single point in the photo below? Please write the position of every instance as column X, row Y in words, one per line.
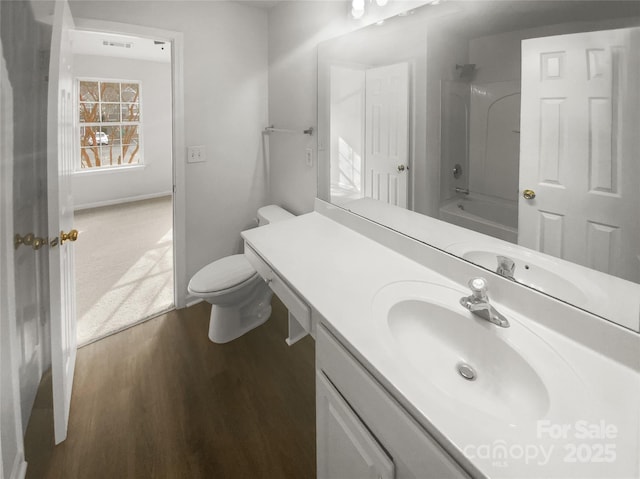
column 60, row 144
column 11, row 440
column 387, row 134
column 579, row 142
column 346, row 448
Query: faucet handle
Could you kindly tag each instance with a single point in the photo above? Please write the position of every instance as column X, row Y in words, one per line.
column 478, row 287
column 505, row 264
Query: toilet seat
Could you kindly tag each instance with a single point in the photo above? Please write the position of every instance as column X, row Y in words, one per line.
column 224, row 275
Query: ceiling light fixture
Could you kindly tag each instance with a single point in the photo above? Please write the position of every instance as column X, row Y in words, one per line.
column 358, row 7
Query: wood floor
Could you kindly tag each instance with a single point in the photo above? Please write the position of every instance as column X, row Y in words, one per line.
column 160, row 400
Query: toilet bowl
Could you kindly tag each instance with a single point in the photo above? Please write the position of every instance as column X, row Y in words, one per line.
column 240, row 300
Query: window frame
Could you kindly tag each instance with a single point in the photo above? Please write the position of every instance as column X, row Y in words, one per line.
column 78, row 168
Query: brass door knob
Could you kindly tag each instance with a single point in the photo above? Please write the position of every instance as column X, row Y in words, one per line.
column 528, row 194
column 39, row 243
column 70, row 236
column 401, row 168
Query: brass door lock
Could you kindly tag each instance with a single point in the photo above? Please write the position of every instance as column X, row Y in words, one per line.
column 70, row 236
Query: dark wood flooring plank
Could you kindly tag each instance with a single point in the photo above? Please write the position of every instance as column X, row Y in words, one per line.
column 160, row 400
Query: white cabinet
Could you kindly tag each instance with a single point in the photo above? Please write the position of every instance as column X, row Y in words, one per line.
column 346, row 448
column 362, row 432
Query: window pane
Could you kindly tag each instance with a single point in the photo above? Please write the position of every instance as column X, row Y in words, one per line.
column 112, row 135
column 130, row 145
column 130, row 92
column 131, row 154
column 89, row 112
column 111, row 155
column 110, row 92
column 130, row 112
column 90, row 157
column 110, row 112
column 130, row 135
column 92, row 136
column 89, row 91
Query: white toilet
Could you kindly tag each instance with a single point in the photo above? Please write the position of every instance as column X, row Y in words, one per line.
column 240, row 299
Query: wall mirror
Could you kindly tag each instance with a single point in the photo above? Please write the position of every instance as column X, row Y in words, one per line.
column 518, row 121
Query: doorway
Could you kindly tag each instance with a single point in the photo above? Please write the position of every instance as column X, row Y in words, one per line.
column 123, row 182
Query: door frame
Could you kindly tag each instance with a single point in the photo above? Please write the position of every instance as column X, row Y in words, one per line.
column 178, row 138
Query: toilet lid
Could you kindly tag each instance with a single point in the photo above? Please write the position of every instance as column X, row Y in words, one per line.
column 222, row 274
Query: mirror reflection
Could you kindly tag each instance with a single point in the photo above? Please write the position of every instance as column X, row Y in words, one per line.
column 514, row 120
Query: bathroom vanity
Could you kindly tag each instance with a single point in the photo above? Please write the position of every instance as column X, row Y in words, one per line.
column 553, row 395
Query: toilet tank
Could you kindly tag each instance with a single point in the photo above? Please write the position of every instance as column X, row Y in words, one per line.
column 271, row 214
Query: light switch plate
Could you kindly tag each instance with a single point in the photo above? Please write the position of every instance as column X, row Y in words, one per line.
column 196, row 154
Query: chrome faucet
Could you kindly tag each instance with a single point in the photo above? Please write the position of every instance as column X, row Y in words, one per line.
column 506, row 267
column 464, row 191
column 478, row 303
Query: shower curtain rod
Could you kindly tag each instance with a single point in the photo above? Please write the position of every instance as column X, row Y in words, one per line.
column 272, row 129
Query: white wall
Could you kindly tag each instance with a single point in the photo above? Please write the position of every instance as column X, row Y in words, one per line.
column 225, row 82
column 347, row 128
column 443, row 53
column 295, row 29
column 95, row 188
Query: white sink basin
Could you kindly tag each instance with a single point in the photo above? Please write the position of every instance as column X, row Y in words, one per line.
column 536, row 270
column 436, row 337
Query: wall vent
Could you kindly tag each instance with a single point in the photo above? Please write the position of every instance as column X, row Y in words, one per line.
column 107, row 43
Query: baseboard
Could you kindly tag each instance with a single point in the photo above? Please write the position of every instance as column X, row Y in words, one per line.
column 118, row 201
column 192, row 301
column 19, row 470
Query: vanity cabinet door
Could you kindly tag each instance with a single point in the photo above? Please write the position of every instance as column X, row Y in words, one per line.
column 346, row 448
column 415, row 453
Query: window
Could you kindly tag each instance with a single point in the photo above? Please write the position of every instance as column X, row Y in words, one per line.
column 109, row 123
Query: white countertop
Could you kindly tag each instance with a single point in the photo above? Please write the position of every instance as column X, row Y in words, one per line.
column 338, row 272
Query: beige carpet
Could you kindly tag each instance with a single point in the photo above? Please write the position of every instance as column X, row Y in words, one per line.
column 124, row 266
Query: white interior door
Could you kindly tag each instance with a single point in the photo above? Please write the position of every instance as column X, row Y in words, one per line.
column 11, row 440
column 60, row 137
column 387, row 134
column 579, row 138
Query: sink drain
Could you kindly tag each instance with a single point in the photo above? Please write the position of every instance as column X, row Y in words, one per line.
column 467, row 371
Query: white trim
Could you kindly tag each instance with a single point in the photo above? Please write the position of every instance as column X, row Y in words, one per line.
column 119, row 201
column 179, row 149
column 101, row 170
column 19, row 470
column 192, row 301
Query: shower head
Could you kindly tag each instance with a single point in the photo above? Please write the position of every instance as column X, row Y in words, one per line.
column 467, row 71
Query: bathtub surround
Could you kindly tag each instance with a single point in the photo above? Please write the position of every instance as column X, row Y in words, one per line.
column 484, row 214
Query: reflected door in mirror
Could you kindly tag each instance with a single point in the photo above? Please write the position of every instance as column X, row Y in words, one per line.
column 580, row 117
column 387, row 134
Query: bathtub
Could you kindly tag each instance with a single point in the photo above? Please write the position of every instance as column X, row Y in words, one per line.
column 483, row 214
